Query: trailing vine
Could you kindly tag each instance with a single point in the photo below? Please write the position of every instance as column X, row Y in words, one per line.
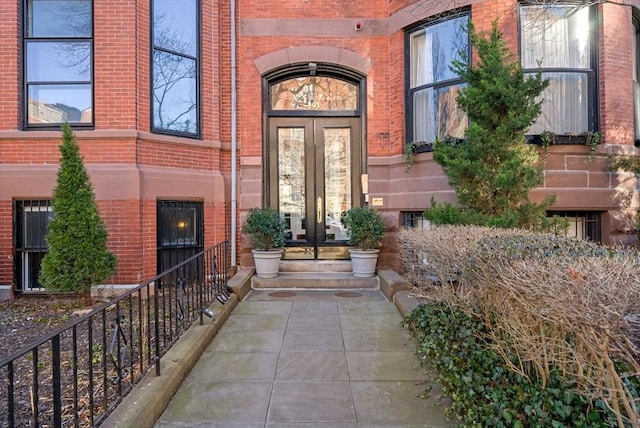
column 410, row 152
column 593, row 139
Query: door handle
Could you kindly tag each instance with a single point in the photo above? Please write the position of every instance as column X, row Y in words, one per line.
column 319, row 209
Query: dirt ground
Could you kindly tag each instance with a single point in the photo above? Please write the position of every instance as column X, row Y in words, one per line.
column 28, row 318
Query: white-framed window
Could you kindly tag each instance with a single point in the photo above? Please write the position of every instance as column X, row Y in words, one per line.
column 432, row 110
column 58, row 63
column 175, row 69
column 560, row 40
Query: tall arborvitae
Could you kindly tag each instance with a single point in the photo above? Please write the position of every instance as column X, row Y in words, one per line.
column 78, row 257
column 493, row 169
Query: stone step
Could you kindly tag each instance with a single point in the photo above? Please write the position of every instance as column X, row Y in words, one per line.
column 327, row 266
column 316, row 280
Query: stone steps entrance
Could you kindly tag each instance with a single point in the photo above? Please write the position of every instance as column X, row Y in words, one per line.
column 320, row 274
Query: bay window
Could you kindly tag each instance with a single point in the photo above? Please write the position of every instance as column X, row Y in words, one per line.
column 432, row 110
column 175, row 72
column 58, row 51
column 560, row 39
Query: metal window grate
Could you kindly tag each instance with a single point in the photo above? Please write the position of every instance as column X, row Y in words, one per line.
column 414, row 219
column 31, row 220
column 582, row 224
column 180, row 232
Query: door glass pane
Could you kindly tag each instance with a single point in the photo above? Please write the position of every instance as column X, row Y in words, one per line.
column 337, row 179
column 291, row 181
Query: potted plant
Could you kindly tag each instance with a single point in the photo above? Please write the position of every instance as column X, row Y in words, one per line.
column 266, row 229
column 365, row 227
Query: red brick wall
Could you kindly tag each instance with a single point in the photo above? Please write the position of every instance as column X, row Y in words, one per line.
column 123, row 219
column 616, row 74
column 115, row 32
column 122, row 99
column 9, row 72
column 121, row 139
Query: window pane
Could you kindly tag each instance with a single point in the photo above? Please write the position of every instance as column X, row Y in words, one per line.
column 314, row 93
column 565, row 105
column 555, row 36
column 177, row 226
column 175, row 26
column 59, row 18
column 436, row 114
column 433, row 49
column 58, row 61
column 59, row 103
column 36, row 220
column 174, row 92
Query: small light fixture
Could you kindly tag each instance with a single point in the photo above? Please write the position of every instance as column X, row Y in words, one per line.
column 208, row 312
column 313, row 67
column 182, row 224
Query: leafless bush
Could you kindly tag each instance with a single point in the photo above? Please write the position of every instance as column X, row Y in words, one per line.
column 439, row 256
column 553, row 303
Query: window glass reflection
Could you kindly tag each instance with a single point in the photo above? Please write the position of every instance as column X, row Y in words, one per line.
column 433, row 49
column 175, row 66
column 59, row 18
column 58, row 61
column 291, row 180
column 177, row 226
column 58, row 56
column 437, row 114
column 174, row 92
column 59, row 103
column 564, row 105
column 558, row 39
column 555, row 36
column 433, row 85
column 314, row 93
column 175, row 26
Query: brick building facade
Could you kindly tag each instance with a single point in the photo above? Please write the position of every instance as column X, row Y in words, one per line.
column 327, row 96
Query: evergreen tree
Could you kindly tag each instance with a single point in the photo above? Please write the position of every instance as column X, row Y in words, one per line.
column 493, row 169
column 78, row 257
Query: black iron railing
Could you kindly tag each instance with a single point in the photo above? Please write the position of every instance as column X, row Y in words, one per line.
column 76, row 375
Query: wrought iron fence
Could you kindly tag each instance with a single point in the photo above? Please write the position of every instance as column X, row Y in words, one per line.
column 76, row 375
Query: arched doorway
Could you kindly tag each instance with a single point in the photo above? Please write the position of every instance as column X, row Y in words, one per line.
column 315, row 155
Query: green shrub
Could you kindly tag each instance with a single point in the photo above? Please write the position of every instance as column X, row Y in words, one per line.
column 483, row 389
column 365, row 227
column 78, row 257
column 265, row 228
column 528, row 216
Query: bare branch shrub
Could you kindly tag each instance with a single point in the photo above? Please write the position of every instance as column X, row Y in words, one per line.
column 434, row 260
column 551, row 304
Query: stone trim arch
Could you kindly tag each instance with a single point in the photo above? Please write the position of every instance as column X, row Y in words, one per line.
column 326, row 54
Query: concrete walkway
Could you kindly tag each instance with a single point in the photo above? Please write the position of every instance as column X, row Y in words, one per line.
column 308, row 358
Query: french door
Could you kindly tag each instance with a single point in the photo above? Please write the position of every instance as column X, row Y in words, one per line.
column 314, row 176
